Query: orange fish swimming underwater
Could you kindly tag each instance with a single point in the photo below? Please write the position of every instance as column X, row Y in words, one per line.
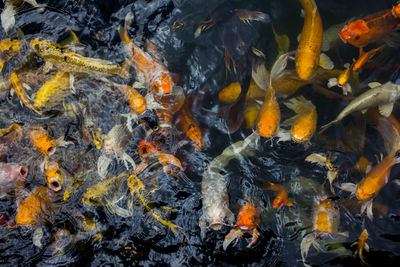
column 281, row 198
column 369, row 29
column 247, row 220
column 308, row 52
column 150, row 71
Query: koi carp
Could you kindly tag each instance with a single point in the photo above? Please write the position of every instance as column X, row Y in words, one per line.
column 379, row 95
column 54, row 90
column 364, row 57
column 282, row 198
column 8, row 49
column 361, row 246
column 68, row 61
column 248, row 219
column 308, row 52
column 369, row 29
column 149, row 70
column 304, row 123
column 54, row 176
column 21, row 93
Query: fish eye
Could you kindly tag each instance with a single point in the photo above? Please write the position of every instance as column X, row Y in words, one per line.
column 357, row 37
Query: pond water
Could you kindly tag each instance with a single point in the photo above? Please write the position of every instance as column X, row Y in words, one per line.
column 100, row 218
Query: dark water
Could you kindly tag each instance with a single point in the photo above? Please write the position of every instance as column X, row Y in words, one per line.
column 141, row 240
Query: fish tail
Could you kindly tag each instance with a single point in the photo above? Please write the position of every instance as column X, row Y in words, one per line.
column 247, row 15
column 299, row 104
column 326, row 126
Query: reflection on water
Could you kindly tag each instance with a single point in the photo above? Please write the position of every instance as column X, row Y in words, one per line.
column 150, row 177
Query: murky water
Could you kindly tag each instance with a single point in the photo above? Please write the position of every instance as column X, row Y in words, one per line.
column 76, row 232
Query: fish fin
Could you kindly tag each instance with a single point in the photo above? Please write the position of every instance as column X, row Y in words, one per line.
column 349, row 187
column 374, row 84
column 298, row 37
column 27, row 88
column 366, row 247
column 247, row 15
column 204, row 25
column 332, row 82
column 8, row 16
column 354, row 243
column 233, row 236
column 305, row 245
column 326, row 126
column 302, row 13
column 227, row 60
column 282, row 41
column 258, row 52
column 369, row 210
column 346, row 88
column 290, row 121
column 331, row 177
column 346, row 65
column 47, row 67
column 299, row 104
column 386, row 110
column 325, row 62
column 102, row 164
column 316, row 158
column 283, row 135
column 279, row 66
column 326, row 46
column 260, row 75
column 393, row 39
column 33, row 3
column 37, row 237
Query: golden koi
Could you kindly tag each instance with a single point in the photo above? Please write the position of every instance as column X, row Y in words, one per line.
column 44, row 142
column 308, row 52
column 230, row 93
column 53, row 91
column 12, row 128
column 281, row 198
column 361, row 245
column 154, row 74
column 30, row 209
column 8, row 49
column 269, row 115
column 188, row 124
column 304, row 123
column 21, row 93
column 72, row 62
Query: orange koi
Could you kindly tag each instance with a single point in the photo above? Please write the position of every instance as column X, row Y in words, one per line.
column 308, row 52
column 231, row 93
column 247, row 220
column 281, row 198
column 44, row 142
column 30, row 209
column 154, row 74
column 369, row 29
column 136, row 101
column 364, row 57
column 269, row 115
column 396, row 11
column 188, row 124
column 361, row 245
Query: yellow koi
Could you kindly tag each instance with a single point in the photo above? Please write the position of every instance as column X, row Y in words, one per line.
column 72, row 62
column 21, row 93
column 53, row 91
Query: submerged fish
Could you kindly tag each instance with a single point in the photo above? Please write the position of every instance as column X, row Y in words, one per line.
column 69, row 61
column 248, row 219
column 12, row 176
column 364, row 57
column 308, row 52
column 304, row 123
column 53, row 91
column 21, row 93
column 379, row 95
column 8, row 49
column 54, row 176
column 9, row 11
column 361, row 245
column 369, row 29
column 282, row 198
column 214, row 189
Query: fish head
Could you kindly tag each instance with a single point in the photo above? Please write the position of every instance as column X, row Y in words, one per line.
column 12, row 175
column 54, row 176
column 365, row 192
column 396, row 11
column 163, row 83
column 146, row 148
column 355, row 33
column 248, row 216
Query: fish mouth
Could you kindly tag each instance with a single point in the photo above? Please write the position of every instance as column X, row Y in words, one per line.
column 54, row 185
column 23, row 171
